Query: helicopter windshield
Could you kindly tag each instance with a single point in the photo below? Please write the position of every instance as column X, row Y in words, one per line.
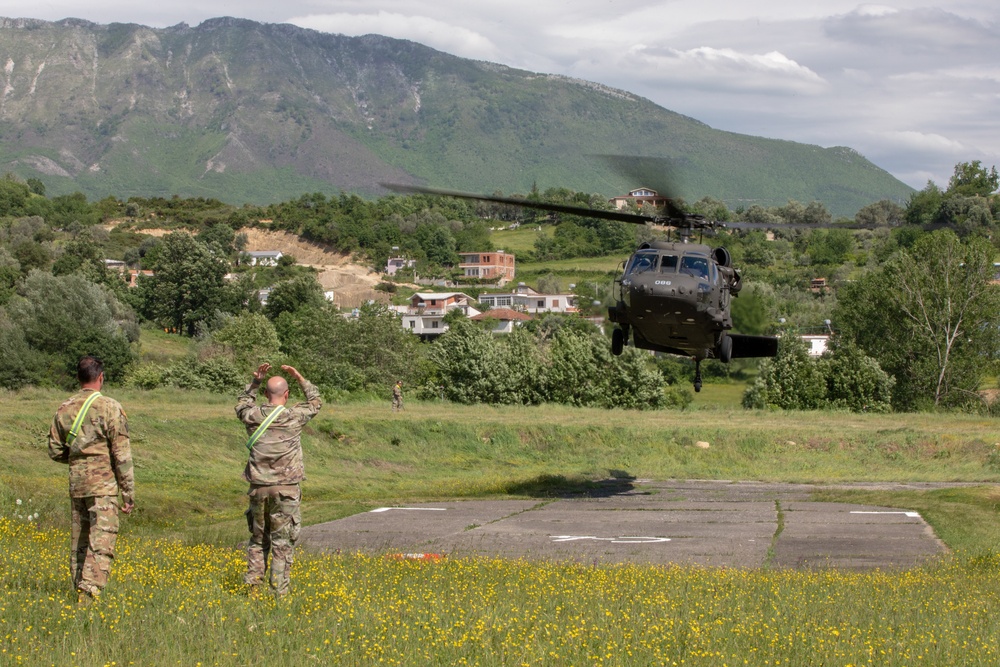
column 668, row 264
column 695, row 265
column 642, row 262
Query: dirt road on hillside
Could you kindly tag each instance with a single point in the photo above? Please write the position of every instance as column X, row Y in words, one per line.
column 352, row 283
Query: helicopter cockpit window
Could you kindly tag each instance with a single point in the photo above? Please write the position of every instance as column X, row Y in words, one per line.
column 668, row 264
column 694, row 265
column 643, row 262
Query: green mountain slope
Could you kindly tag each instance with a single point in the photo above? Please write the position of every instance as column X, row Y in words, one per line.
column 250, row 112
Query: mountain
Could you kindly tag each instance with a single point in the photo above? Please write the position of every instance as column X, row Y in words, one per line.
column 249, row 112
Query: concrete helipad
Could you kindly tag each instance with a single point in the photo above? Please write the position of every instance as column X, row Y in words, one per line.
column 732, row 524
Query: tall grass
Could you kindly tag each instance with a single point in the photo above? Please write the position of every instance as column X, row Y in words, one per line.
column 171, row 605
column 175, row 596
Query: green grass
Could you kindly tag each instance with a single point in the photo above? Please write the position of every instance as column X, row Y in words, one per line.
column 188, row 449
column 176, row 594
column 159, row 347
column 607, row 264
column 719, row 395
column 522, row 239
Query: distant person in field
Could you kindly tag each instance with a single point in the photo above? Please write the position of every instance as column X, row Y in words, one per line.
column 274, row 470
column 90, row 433
column 397, row 396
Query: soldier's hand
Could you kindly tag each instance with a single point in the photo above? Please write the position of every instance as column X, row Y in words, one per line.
column 294, row 373
column 261, row 371
column 128, row 507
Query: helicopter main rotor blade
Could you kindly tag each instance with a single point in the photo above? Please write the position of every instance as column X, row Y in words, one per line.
column 778, row 226
column 650, row 172
column 617, row 216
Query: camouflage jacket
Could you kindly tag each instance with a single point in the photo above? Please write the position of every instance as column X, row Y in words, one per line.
column 100, row 458
column 276, row 458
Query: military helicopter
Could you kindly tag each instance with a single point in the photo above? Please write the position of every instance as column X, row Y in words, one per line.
column 672, row 296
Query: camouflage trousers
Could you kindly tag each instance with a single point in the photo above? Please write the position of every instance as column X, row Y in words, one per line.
column 94, row 532
column 397, row 403
column 274, row 521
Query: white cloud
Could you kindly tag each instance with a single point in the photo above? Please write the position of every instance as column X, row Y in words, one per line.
column 875, row 10
column 923, row 141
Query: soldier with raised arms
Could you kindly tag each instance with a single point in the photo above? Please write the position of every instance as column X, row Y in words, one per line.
column 274, row 470
column 90, row 433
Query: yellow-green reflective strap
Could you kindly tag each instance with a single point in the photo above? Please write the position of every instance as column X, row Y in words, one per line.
column 75, row 428
column 263, row 426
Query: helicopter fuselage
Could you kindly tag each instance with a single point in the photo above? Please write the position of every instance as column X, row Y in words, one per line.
column 675, row 298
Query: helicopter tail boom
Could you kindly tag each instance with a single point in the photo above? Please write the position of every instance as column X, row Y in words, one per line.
column 754, row 346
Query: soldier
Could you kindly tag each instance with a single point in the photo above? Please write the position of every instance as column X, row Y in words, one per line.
column 274, row 471
column 397, row 396
column 90, row 433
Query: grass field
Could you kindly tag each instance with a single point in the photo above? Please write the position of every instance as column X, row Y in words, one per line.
column 522, row 239
column 176, row 598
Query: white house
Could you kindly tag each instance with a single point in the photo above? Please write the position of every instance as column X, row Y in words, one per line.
column 264, row 257
column 424, row 316
column 396, row 263
column 816, row 343
column 528, row 300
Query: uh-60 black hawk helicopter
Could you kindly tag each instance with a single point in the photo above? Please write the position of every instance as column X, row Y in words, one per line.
column 672, row 296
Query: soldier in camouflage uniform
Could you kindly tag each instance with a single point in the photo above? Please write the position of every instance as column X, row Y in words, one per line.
column 100, row 465
column 274, row 471
column 397, row 396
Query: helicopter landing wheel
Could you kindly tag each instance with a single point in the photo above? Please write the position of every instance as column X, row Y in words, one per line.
column 617, row 341
column 726, row 349
column 697, row 375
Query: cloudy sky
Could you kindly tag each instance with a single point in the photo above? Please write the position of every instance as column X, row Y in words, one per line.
column 914, row 86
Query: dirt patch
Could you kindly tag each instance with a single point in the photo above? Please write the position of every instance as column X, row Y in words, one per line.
column 352, row 283
column 990, row 395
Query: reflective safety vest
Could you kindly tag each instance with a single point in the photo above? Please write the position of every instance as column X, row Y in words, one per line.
column 74, row 430
column 263, row 426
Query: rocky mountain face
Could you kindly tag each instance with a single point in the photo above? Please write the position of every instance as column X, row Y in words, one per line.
column 249, row 112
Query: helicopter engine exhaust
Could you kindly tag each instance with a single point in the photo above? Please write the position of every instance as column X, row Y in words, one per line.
column 722, row 257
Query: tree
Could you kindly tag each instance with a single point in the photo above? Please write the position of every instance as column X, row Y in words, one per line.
column 65, row 317
column 31, row 255
column 548, row 284
column 471, row 366
column 13, row 197
column 754, row 249
column 437, row 243
column 81, row 254
column 923, row 206
column 20, row 364
column 291, row 295
column 187, row 283
column 854, row 380
column 973, row 179
column 10, row 271
column 711, row 208
column 791, row 381
column 367, row 353
column 830, row 246
column 883, row 213
column 36, row 186
column 929, row 317
column 251, row 338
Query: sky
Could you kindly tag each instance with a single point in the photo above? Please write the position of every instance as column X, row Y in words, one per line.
column 913, row 86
